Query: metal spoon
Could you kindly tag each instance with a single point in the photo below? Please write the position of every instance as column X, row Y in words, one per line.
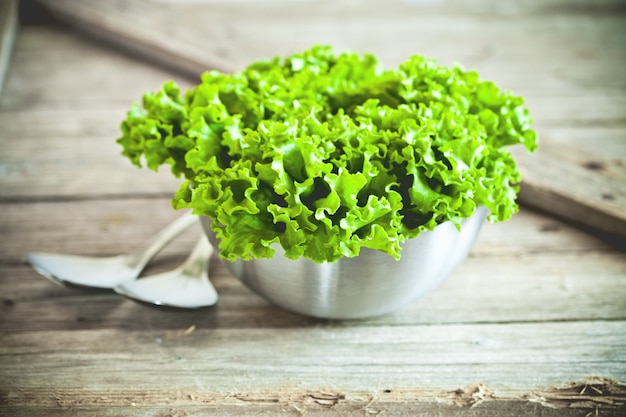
column 105, row 272
column 187, row 286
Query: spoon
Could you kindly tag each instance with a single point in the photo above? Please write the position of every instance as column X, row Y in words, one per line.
column 187, row 286
column 105, row 272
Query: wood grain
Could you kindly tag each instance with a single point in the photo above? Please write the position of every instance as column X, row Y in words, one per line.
column 231, row 360
column 583, row 187
column 67, row 138
column 472, row 400
column 231, row 366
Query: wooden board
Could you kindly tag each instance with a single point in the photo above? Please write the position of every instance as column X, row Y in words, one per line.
column 228, row 371
column 583, row 187
column 227, row 36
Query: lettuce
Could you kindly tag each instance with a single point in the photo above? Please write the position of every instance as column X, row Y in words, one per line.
column 325, row 153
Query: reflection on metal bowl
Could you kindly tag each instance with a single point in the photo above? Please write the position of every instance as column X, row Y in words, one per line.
column 368, row 285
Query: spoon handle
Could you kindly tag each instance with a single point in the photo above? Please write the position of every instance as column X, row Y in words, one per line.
column 140, row 257
column 197, row 261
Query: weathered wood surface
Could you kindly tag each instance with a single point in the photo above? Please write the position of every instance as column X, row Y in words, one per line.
column 532, row 323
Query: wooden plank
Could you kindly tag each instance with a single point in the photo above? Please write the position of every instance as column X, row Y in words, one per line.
column 549, row 262
column 66, row 128
column 108, row 80
column 551, row 293
column 471, row 400
column 229, row 364
column 608, row 141
column 472, row 37
column 8, row 30
column 590, row 191
column 599, row 81
column 86, row 227
column 70, row 154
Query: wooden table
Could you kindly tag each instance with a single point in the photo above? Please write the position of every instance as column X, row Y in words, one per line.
column 532, row 323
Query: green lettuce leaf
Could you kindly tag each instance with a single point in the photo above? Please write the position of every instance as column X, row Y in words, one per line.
column 325, row 153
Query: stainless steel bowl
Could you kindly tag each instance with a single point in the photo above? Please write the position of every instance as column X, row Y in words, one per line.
column 368, row 285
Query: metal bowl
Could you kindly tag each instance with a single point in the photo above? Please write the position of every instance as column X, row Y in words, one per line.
column 371, row 284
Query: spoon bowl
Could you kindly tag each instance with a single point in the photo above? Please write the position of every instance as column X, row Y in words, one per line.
column 187, row 286
column 105, row 272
